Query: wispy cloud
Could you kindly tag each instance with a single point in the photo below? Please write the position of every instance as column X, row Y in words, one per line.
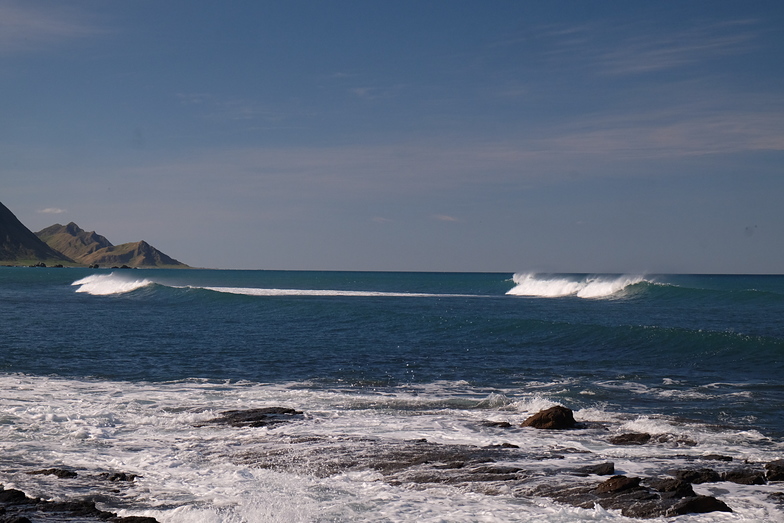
column 646, row 49
column 26, row 26
column 445, row 218
column 52, row 210
column 230, row 108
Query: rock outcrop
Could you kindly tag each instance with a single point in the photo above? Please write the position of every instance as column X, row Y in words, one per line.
column 557, row 418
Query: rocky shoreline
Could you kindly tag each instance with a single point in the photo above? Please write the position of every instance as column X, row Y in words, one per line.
column 419, row 464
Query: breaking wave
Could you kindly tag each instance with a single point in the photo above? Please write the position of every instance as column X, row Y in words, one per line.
column 107, row 284
column 554, row 286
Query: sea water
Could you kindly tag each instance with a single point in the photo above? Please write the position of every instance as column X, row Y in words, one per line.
column 122, row 370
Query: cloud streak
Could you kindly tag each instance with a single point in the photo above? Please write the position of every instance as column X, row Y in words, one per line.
column 649, row 50
column 27, row 27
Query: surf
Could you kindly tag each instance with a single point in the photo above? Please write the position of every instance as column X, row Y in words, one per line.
column 108, row 284
column 556, row 286
column 114, row 283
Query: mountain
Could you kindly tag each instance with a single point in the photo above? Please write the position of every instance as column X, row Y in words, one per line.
column 18, row 244
column 72, row 241
column 137, row 254
column 89, row 248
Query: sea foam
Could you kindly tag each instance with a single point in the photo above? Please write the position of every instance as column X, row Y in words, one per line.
column 253, row 291
column 106, row 284
column 531, row 284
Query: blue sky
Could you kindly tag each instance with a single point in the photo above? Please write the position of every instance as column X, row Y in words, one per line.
column 406, row 135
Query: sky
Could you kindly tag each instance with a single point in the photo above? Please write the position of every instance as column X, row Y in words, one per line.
column 452, row 135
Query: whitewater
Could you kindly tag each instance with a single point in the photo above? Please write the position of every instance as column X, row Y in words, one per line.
column 126, row 372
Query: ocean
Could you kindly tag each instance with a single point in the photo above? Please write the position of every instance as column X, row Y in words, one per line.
column 130, row 371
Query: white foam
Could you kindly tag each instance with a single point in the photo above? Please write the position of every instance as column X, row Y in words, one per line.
column 253, row 291
column 196, row 473
column 106, row 284
column 531, row 284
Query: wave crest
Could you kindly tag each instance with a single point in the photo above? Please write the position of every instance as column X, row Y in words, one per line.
column 106, row 284
column 554, row 286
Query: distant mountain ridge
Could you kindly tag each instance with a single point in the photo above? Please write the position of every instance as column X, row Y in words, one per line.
column 73, row 241
column 71, row 245
column 136, row 254
column 90, row 248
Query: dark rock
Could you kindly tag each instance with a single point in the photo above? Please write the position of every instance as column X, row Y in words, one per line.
column 618, row 484
column 672, row 488
column 82, row 508
column 698, row 476
column 503, row 446
column 631, row 438
column 698, row 505
column 117, row 476
column 602, row 469
column 557, row 418
column 60, row 473
column 263, row 417
column 15, row 519
column 716, row 457
column 498, row 424
column 745, row 477
column 673, row 440
column 13, row 497
column 774, row 470
column 19, row 504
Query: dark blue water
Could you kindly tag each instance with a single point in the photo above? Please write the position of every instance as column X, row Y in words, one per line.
column 718, row 341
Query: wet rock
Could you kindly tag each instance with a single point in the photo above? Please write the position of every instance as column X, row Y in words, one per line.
column 698, row 505
column 15, row 519
column 15, row 506
column 503, row 446
column 745, row 477
column 672, row 488
column 631, row 438
column 698, row 476
column 666, row 497
column 602, row 469
column 674, row 440
column 618, row 484
column 263, row 417
column 13, row 497
column 556, row 418
column 774, row 471
column 716, row 457
column 497, row 424
column 60, row 473
column 117, row 476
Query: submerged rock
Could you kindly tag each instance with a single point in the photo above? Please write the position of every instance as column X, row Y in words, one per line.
column 556, row 418
column 263, row 417
column 631, row 438
column 60, row 473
